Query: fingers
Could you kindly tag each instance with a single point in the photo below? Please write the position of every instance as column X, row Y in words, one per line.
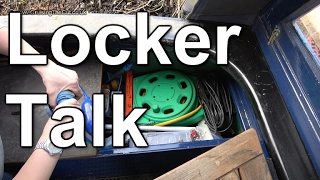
column 52, row 100
column 74, row 83
column 68, row 103
column 53, row 96
column 57, row 79
column 78, row 92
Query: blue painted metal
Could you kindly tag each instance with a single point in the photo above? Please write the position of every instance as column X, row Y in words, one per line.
column 279, row 9
column 245, row 112
column 124, row 165
column 155, row 148
column 296, row 77
column 251, row 70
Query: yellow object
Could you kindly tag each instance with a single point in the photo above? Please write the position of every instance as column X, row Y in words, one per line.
column 180, row 118
column 114, row 84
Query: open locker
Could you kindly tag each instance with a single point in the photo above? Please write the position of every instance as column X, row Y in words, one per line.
column 172, row 91
column 261, row 93
column 179, row 94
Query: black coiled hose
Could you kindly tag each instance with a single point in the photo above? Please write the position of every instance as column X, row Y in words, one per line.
column 216, row 100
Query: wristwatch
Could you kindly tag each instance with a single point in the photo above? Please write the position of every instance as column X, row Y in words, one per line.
column 49, row 147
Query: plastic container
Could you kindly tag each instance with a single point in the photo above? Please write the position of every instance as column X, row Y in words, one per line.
column 159, row 138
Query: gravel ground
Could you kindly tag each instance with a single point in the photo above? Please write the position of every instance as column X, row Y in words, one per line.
column 165, row 8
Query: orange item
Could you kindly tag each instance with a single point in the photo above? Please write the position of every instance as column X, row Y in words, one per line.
column 129, row 89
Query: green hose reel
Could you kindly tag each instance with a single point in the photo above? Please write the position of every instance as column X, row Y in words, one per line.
column 167, row 95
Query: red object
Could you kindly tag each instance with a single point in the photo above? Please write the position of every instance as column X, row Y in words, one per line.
column 194, row 134
column 129, row 89
column 314, row 47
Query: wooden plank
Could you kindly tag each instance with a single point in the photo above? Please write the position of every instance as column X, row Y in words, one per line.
column 220, row 160
column 250, row 169
column 233, row 175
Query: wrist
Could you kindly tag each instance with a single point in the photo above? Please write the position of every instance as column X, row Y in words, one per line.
column 44, row 137
column 49, row 147
column 42, row 69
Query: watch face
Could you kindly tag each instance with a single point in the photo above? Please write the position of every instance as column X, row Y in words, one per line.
column 53, row 149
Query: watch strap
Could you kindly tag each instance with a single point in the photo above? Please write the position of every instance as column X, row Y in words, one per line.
column 40, row 145
column 44, row 145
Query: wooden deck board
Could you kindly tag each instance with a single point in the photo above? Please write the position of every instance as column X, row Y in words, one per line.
column 222, row 160
column 256, row 169
column 233, row 175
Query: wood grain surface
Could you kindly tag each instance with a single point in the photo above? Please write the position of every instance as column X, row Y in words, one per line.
column 223, row 161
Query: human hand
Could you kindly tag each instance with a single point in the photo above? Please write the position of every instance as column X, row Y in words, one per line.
column 52, row 123
column 57, row 79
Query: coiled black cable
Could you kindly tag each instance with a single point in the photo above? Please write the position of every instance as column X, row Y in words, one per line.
column 216, row 101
